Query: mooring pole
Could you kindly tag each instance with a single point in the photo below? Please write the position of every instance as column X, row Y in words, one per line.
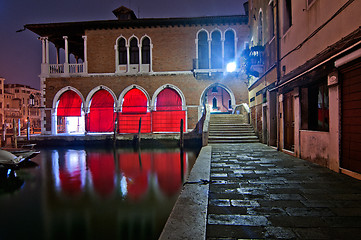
column 28, row 129
column 4, row 135
column 181, row 140
column 139, row 130
column 15, row 134
column 115, row 128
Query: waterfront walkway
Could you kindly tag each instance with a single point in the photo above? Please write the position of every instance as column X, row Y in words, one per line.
column 257, row 192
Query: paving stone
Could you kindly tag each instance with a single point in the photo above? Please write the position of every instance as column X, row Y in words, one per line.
column 241, row 220
column 279, row 233
column 312, row 233
column 235, row 232
column 260, row 193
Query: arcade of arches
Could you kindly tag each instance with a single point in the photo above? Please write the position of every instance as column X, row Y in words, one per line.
column 104, row 113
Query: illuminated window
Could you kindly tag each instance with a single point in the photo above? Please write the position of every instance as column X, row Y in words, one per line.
column 229, row 47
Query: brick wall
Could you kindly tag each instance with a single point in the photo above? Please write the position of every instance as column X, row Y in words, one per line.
column 174, row 48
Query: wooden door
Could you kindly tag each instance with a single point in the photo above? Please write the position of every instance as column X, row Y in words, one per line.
column 289, row 122
column 351, row 118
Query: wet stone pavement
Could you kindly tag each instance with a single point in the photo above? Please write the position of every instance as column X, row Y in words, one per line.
column 257, row 192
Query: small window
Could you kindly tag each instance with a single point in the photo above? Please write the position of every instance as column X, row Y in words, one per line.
column 203, row 52
column 134, row 51
column 214, row 103
column 122, row 51
column 229, row 47
column 146, row 51
column 287, row 18
column 271, row 17
column 260, row 29
column 315, row 107
column 216, row 50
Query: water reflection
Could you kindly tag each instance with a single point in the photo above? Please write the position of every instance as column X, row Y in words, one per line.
column 9, row 181
column 128, row 174
column 111, row 193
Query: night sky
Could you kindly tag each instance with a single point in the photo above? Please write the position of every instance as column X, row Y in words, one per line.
column 20, row 53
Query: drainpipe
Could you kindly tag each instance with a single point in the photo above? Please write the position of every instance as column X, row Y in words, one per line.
column 278, row 66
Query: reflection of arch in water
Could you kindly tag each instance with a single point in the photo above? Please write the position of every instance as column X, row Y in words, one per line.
column 135, row 170
column 102, row 169
column 170, row 168
column 69, row 171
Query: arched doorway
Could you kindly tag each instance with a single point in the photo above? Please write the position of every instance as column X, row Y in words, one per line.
column 219, row 99
column 134, row 106
column 168, row 111
column 101, row 112
column 69, row 114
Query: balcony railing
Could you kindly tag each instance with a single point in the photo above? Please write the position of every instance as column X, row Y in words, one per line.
column 63, row 69
column 56, row 68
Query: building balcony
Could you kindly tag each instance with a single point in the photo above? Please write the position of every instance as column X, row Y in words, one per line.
column 63, row 70
column 254, row 60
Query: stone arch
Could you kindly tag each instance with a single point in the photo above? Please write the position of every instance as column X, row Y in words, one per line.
column 172, row 87
column 54, row 124
column 63, row 90
column 127, row 89
column 228, row 90
column 94, row 90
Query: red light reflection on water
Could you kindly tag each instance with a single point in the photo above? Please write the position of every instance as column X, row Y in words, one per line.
column 127, row 174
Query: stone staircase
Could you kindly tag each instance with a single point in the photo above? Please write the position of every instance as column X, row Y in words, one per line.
column 228, row 128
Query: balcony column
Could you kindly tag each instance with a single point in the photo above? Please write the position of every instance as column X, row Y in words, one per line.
column 47, row 51
column 45, row 56
column 85, row 60
column 66, row 63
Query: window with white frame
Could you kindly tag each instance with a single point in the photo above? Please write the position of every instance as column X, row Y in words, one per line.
column 217, row 50
column 133, row 57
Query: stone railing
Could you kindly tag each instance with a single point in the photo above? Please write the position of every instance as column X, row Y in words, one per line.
column 65, row 69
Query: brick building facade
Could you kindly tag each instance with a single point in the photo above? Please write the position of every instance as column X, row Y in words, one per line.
column 186, row 55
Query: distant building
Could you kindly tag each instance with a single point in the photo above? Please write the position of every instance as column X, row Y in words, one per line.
column 2, row 105
column 161, row 70
column 304, row 66
column 22, row 103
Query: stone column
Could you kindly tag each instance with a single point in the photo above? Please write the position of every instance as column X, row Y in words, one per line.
column 66, row 63
column 85, row 60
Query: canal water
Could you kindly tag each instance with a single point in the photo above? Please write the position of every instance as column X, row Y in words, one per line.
column 92, row 193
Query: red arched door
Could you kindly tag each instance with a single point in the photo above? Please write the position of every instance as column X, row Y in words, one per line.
column 101, row 114
column 134, row 107
column 168, row 112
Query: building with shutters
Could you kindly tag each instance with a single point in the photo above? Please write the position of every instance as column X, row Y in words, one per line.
column 22, row 104
column 304, row 63
column 98, row 73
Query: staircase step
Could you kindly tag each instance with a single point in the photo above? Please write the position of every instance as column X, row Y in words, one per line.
column 227, row 128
